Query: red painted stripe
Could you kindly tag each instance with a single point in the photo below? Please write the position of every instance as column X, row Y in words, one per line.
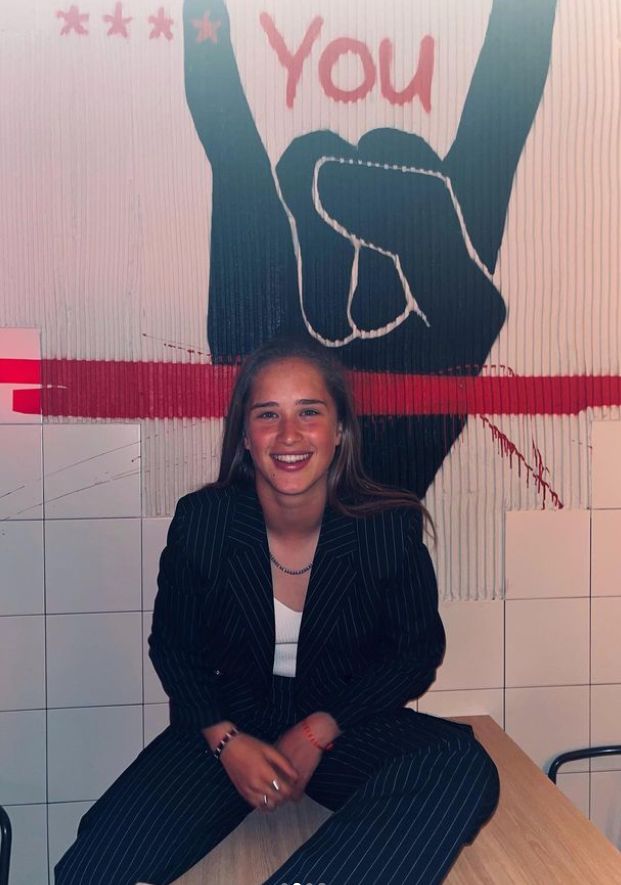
column 20, row 371
column 132, row 390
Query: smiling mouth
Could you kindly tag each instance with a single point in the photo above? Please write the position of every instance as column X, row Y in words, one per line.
column 292, row 459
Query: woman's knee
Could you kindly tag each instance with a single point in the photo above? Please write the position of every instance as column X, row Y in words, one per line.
column 483, row 777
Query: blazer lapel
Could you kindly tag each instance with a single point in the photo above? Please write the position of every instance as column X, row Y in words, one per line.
column 332, row 579
column 250, row 579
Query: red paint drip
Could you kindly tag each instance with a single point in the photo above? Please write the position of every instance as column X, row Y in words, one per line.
column 507, row 448
column 182, row 347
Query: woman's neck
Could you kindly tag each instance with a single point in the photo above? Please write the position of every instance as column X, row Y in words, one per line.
column 292, row 516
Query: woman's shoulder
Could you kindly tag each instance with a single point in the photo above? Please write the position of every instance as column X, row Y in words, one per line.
column 390, row 527
column 206, row 500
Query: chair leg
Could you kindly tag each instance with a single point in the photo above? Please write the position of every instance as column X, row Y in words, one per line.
column 5, row 846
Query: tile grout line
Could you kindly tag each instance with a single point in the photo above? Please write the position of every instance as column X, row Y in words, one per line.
column 142, row 630
column 47, row 752
column 590, row 700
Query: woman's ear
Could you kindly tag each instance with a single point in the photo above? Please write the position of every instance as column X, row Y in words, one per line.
column 339, row 433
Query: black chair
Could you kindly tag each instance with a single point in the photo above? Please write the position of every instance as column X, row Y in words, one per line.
column 5, row 846
column 586, row 753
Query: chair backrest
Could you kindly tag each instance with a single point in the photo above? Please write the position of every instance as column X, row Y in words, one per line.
column 585, row 753
column 5, row 846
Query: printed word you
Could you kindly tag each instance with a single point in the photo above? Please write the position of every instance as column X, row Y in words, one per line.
column 293, row 62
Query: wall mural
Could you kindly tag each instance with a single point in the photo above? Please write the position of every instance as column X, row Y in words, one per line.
column 381, row 250
column 429, row 190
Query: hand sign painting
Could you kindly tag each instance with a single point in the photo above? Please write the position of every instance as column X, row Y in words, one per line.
column 382, row 249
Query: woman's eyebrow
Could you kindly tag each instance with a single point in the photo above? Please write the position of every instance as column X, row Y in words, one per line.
column 263, row 405
column 299, row 402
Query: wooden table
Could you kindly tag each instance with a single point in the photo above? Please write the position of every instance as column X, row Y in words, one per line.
column 536, row 836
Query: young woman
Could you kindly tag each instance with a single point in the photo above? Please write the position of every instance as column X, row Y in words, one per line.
column 296, row 614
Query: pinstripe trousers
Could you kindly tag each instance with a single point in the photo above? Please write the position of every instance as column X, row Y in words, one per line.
column 407, row 791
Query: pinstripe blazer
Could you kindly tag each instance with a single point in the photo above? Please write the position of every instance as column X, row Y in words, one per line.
column 370, row 639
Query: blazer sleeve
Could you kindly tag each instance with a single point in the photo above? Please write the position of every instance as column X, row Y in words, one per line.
column 180, row 630
column 412, row 645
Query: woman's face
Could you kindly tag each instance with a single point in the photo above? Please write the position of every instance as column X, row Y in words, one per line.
column 292, row 429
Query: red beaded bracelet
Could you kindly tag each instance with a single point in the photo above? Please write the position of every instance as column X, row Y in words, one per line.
column 311, row 737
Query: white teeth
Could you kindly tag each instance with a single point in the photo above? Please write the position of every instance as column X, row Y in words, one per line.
column 290, row 459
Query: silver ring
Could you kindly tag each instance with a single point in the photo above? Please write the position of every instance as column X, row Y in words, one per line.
column 276, row 785
column 265, row 799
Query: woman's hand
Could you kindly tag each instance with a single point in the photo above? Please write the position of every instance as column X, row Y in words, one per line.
column 257, row 770
column 301, row 752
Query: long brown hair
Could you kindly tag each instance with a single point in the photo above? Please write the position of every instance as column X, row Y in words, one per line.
column 350, row 491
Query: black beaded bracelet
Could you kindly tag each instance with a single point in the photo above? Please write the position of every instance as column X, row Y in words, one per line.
column 223, row 742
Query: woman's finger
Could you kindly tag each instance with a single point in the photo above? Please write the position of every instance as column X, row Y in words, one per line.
column 282, row 763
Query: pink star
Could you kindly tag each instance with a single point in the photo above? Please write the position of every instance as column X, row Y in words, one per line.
column 162, row 25
column 73, row 20
column 207, row 30
column 118, row 24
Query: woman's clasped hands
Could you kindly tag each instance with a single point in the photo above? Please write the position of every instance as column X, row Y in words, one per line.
column 261, row 774
column 267, row 775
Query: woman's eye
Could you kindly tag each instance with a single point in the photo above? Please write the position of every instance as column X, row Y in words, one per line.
column 311, row 412
column 267, row 415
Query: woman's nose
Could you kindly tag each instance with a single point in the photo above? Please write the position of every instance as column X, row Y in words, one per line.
column 289, row 430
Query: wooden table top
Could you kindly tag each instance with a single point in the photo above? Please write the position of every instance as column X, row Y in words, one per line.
column 536, row 836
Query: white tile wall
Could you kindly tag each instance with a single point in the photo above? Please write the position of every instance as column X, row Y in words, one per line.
column 29, row 848
column 606, row 553
column 605, row 723
column 22, row 662
column 476, row 702
column 606, row 804
column 532, row 570
column 605, row 639
column 576, row 786
column 155, row 721
column 605, row 472
column 92, row 470
column 89, row 748
column 94, row 659
column 22, row 751
column 154, row 533
column 153, row 691
column 92, row 565
column 474, row 639
column 547, row 642
column 21, row 484
column 21, row 556
column 525, row 661
column 548, row 721
column 62, row 826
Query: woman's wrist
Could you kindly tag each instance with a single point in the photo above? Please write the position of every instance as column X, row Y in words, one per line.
column 214, row 734
column 321, row 729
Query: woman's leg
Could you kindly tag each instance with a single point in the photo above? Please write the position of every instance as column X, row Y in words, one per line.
column 407, row 792
column 167, row 810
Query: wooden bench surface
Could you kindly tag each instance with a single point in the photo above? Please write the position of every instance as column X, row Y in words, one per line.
column 536, row 836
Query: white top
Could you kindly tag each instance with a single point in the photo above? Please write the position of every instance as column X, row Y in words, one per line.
column 287, row 631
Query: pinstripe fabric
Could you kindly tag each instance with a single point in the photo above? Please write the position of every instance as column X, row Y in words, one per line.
column 370, row 637
column 407, row 789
